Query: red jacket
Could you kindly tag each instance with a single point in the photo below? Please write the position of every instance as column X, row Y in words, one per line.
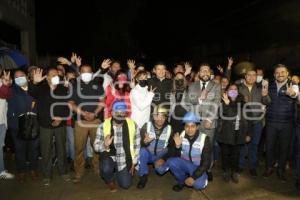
column 5, row 91
column 112, row 95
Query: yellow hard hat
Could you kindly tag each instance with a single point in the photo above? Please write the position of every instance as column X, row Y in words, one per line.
column 160, row 109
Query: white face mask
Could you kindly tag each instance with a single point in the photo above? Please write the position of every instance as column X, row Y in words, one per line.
column 86, row 77
column 259, row 79
column 55, row 80
column 21, row 81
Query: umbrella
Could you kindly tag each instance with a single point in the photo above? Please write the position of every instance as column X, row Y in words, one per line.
column 11, row 59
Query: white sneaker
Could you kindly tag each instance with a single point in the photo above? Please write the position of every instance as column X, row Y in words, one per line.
column 5, row 175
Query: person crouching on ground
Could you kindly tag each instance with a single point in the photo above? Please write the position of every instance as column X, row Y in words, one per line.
column 156, row 142
column 118, row 141
column 193, row 155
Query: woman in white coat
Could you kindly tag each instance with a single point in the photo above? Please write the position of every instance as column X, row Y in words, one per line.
column 141, row 98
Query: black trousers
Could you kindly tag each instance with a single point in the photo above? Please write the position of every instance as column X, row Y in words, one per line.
column 230, row 157
column 25, row 150
column 278, row 136
column 46, row 141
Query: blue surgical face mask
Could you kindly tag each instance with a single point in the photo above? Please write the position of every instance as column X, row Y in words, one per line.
column 21, row 81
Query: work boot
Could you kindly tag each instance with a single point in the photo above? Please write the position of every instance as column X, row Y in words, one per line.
column 142, row 182
column 112, row 187
column 178, row 187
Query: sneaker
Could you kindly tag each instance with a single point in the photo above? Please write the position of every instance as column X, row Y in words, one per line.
column 46, row 182
column 178, row 187
column 66, row 177
column 112, row 187
column 6, row 175
column 142, row 182
column 235, row 177
column 226, row 177
column 253, row 172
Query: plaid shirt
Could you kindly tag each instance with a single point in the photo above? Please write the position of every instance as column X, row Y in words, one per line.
column 120, row 156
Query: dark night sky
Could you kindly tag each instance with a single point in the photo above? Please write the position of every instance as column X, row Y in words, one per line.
column 132, row 28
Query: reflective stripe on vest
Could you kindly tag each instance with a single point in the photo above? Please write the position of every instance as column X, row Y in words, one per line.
column 163, row 138
column 131, row 129
column 197, row 148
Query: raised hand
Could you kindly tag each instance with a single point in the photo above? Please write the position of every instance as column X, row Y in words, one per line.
column 105, row 63
column 108, row 140
column 147, row 139
column 189, row 181
column 177, row 139
column 159, row 163
column 188, row 68
column 131, row 64
column 225, row 98
column 230, row 62
column 64, row 61
column 152, row 89
column 78, row 61
column 73, row 57
column 265, row 86
column 220, row 68
column 38, row 76
column 289, row 90
column 6, row 80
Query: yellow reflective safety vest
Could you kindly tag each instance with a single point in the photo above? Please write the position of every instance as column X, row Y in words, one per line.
column 131, row 129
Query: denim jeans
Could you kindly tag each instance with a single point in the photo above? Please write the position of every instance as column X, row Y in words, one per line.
column 2, row 140
column 183, row 169
column 252, row 147
column 108, row 170
column 145, row 158
column 70, row 143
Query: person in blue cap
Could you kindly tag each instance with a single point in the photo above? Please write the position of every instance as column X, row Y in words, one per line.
column 156, row 142
column 118, row 141
column 193, row 155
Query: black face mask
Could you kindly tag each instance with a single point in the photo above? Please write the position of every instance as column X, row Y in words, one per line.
column 179, row 83
column 143, row 83
column 119, row 119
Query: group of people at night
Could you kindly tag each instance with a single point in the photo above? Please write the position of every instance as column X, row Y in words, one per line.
column 124, row 121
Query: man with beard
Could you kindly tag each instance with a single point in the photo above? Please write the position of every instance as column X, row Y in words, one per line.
column 204, row 97
column 279, row 120
column 118, row 141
